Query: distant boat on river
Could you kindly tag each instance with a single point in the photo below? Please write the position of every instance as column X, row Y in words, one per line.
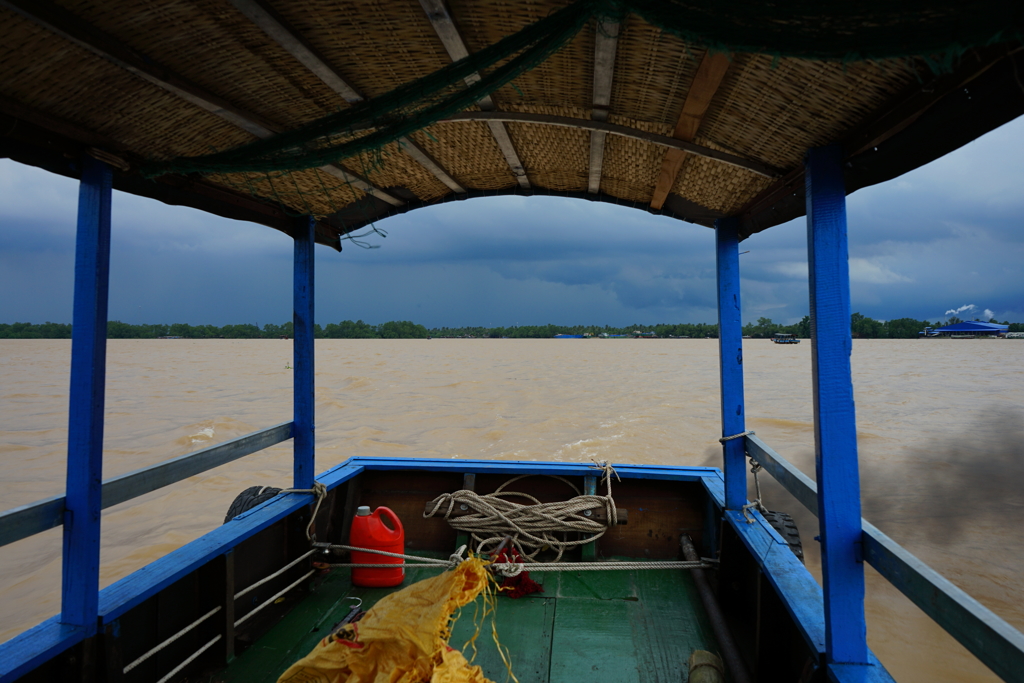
column 785, row 339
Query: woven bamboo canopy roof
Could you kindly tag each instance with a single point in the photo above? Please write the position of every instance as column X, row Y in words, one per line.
column 623, row 110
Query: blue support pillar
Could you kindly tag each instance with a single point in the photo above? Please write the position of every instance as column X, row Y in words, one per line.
column 302, row 319
column 81, row 566
column 730, row 353
column 835, row 429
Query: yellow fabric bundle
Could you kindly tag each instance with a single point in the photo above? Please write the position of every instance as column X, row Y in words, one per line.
column 402, row 639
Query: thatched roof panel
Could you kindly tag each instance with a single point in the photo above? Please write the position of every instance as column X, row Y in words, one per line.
column 149, row 82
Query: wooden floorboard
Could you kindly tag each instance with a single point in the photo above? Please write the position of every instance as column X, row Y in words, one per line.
column 664, row 630
column 616, row 627
column 524, row 630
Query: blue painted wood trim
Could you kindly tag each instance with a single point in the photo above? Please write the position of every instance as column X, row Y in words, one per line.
column 28, row 520
column 31, row 519
column 730, row 359
column 996, row 643
column 38, row 644
column 304, row 465
column 715, row 486
column 130, row 591
column 796, row 482
column 133, row 484
column 29, row 649
column 517, row 467
column 118, row 598
column 835, row 428
column 81, row 564
column 800, row 593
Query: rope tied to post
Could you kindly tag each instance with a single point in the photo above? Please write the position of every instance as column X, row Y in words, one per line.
column 755, row 467
column 320, row 491
column 532, row 527
column 736, row 436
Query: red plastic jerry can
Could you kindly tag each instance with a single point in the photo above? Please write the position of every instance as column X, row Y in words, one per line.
column 370, row 531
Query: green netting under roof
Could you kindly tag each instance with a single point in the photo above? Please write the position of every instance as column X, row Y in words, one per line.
column 937, row 31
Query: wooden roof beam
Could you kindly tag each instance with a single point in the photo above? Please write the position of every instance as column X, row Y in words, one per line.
column 274, row 26
column 605, row 45
column 446, row 30
column 899, row 113
column 45, row 134
column 705, row 84
column 70, row 27
column 625, row 131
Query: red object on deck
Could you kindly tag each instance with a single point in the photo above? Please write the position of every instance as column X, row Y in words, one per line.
column 370, row 531
column 521, row 584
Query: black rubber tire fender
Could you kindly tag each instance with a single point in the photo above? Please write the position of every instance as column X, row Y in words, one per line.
column 786, row 527
column 248, row 499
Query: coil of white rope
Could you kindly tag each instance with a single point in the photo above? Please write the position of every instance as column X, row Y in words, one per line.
column 532, row 527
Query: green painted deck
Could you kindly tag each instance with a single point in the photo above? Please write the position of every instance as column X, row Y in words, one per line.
column 633, row 627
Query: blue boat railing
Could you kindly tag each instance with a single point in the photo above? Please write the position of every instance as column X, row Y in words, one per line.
column 48, row 513
column 994, row 642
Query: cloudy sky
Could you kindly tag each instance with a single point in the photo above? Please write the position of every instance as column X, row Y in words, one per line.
column 946, row 236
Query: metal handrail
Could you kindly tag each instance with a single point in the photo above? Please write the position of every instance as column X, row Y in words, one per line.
column 48, row 513
column 996, row 643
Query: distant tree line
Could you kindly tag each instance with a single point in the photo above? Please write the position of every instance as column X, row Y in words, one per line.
column 861, row 327
column 119, row 330
column 547, row 331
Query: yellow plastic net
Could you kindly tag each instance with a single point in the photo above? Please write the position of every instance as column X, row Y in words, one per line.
column 402, row 639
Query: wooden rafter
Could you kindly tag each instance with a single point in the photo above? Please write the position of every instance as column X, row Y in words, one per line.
column 46, row 134
column 275, row 27
column 898, row 114
column 446, row 30
column 702, row 90
column 605, row 45
column 68, row 26
column 673, row 144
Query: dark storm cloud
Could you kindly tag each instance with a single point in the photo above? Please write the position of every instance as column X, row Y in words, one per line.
column 538, row 229
column 946, row 235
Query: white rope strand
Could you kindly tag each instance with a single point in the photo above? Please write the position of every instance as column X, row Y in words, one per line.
column 276, row 595
column 514, row 568
column 170, row 640
column 755, row 467
column 735, row 436
column 280, row 571
column 422, row 560
column 188, row 661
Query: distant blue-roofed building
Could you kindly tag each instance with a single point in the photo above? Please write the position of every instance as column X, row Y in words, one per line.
column 968, row 327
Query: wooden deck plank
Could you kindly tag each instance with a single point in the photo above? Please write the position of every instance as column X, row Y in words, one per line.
column 524, row 630
column 629, row 627
column 665, row 632
column 592, row 641
column 302, row 628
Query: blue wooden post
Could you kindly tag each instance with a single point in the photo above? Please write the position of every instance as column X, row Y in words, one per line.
column 303, row 354
column 730, row 356
column 81, row 568
column 835, row 429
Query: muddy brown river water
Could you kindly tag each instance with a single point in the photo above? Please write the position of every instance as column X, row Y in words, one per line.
column 940, row 433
